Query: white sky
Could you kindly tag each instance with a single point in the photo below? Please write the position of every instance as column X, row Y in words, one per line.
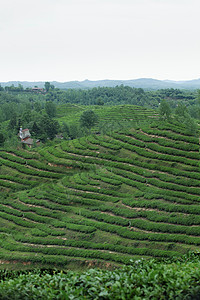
column 63, row 40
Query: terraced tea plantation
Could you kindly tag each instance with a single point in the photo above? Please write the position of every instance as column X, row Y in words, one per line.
column 102, row 199
column 117, row 114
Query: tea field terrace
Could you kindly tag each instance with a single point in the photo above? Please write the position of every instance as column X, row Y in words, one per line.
column 102, row 199
column 117, row 115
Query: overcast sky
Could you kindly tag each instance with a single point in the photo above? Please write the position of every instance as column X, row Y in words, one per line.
column 64, row 40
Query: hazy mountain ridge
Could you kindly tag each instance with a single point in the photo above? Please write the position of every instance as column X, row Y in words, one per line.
column 145, row 83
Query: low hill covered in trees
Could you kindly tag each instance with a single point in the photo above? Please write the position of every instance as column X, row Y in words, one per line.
column 145, row 83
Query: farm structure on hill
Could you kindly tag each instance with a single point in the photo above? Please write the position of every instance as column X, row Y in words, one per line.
column 25, row 137
column 38, row 90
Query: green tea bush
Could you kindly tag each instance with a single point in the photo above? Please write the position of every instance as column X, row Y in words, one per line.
column 141, row 280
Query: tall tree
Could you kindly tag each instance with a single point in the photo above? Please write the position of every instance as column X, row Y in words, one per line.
column 50, row 108
column 74, row 131
column 35, row 129
column 48, row 127
column 13, row 122
column 2, row 139
column 88, row 119
column 65, row 130
column 164, row 110
column 47, row 86
column 181, row 109
column 37, row 106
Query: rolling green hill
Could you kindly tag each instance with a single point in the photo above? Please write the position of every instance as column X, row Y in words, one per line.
column 102, row 198
column 118, row 115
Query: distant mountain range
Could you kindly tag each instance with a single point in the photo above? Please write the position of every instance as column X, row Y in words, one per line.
column 145, row 83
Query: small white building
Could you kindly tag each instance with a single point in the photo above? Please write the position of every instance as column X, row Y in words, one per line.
column 25, row 137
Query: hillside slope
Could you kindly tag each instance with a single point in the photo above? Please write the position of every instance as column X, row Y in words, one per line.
column 118, row 115
column 102, row 198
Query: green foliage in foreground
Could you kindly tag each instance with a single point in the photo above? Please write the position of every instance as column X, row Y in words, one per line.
column 141, row 280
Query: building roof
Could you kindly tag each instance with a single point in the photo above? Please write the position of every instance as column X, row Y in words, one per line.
column 28, row 141
column 24, row 134
column 37, row 89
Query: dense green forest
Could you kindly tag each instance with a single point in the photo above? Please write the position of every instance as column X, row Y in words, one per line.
column 39, row 110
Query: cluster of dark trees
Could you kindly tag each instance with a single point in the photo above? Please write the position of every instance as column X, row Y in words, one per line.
column 26, row 111
column 111, row 95
column 36, row 112
column 182, row 115
column 120, row 95
column 87, row 120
